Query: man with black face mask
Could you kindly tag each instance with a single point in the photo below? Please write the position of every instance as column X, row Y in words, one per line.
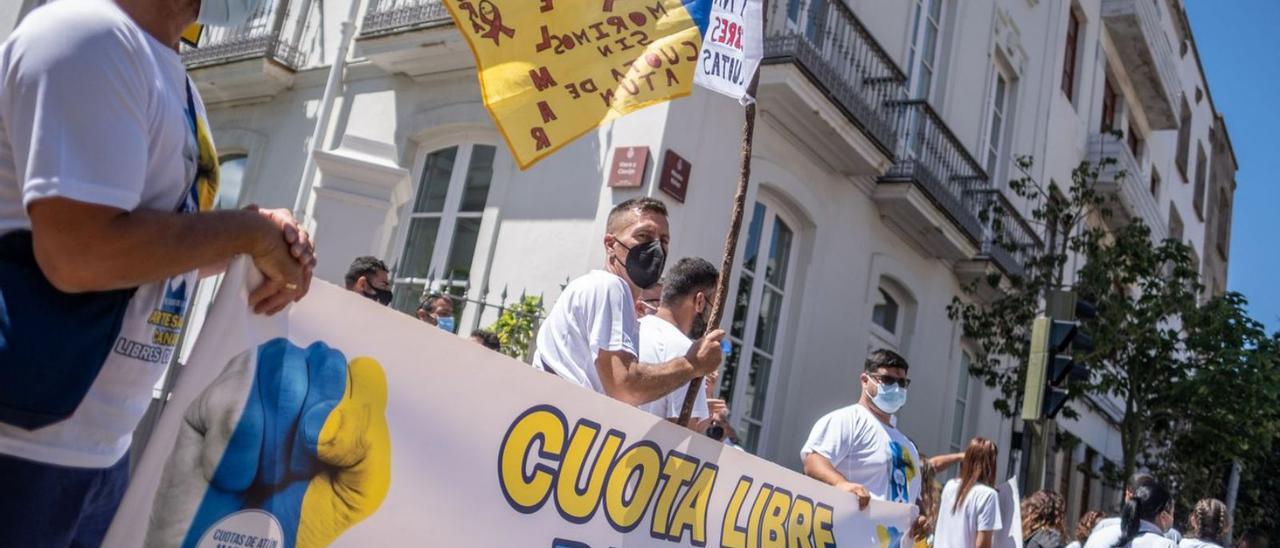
column 368, row 276
column 591, row 335
column 667, row 333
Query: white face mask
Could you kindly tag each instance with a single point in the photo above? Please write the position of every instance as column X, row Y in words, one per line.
column 226, row 13
column 889, row 398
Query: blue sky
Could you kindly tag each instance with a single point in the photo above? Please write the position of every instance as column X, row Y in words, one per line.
column 1239, row 43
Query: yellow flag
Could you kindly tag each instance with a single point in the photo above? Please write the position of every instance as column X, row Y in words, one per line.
column 552, row 70
column 191, row 34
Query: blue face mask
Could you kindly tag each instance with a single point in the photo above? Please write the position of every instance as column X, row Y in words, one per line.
column 890, row 398
column 445, row 323
column 226, row 13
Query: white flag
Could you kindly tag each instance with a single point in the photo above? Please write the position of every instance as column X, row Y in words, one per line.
column 731, row 48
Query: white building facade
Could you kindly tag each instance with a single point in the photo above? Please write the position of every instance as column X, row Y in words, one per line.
column 884, row 128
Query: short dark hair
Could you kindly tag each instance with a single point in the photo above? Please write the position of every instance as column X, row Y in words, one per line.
column 488, row 338
column 885, row 358
column 644, row 203
column 687, row 277
column 363, row 266
column 429, row 299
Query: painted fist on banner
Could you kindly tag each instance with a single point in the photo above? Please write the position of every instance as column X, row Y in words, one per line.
column 287, row 447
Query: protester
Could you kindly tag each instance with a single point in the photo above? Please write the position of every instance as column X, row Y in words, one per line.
column 1085, row 526
column 108, row 178
column 437, row 309
column 1044, row 515
column 667, row 333
column 858, row 448
column 590, row 336
column 487, row 339
column 1146, row 515
column 1108, row 530
column 1209, row 525
column 1253, row 538
column 921, row 533
column 368, row 276
column 970, row 512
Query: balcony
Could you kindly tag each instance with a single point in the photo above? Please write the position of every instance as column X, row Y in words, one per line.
column 413, row 37
column 1009, row 240
column 255, row 60
column 929, row 193
column 1148, row 58
column 1125, row 184
column 831, row 84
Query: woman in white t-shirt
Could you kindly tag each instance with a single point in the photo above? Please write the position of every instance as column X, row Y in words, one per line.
column 1210, row 525
column 970, row 509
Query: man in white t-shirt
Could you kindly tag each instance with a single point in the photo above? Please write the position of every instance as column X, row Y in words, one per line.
column 590, row 336
column 664, row 334
column 107, row 180
column 858, row 448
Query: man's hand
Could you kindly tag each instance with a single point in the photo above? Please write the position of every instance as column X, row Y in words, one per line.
column 864, row 496
column 298, row 433
column 287, row 263
column 705, row 354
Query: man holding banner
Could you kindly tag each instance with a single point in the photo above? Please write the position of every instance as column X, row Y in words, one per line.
column 664, row 334
column 590, row 336
column 858, row 448
column 107, row 178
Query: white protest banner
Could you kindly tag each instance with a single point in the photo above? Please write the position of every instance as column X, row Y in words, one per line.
column 343, row 422
column 732, row 48
column 1010, row 533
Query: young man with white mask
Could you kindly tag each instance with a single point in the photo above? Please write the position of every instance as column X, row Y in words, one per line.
column 858, row 448
column 590, row 336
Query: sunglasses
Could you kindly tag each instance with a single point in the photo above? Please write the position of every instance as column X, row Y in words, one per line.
column 890, row 380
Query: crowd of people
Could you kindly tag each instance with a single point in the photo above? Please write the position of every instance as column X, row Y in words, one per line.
column 637, row 331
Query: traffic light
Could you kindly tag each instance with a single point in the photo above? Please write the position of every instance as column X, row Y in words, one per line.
column 1056, row 338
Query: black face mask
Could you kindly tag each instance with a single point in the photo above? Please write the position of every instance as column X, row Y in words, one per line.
column 383, row 296
column 644, row 263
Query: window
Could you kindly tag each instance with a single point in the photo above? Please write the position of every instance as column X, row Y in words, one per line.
column 1202, row 168
column 1184, row 140
column 1175, row 223
column 885, row 313
column 1108, row 105
column 1135, row 143
column 230, row 180
column 960, row 417
column 1155, row 183
column 810, row 14
column 1224, row 221
column 1072, row 51
column 923, row 54
column 444, row 222
column 999, row 105
column 757, row 327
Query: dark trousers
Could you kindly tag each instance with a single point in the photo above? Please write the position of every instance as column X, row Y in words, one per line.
column 50, row 505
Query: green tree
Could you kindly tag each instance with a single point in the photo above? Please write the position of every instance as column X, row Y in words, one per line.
column 1142, row 289
column 517, row 326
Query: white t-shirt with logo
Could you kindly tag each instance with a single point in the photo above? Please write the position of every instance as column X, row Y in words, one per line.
column 94, row 109
column 595, row 312
column 980, row 511
column 660, row 342
column 867, row 452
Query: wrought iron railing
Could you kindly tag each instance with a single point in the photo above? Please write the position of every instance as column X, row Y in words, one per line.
column 1009, row 240
column 929, row 155
column 387, row 16
column 276, row 30
column 837, row 52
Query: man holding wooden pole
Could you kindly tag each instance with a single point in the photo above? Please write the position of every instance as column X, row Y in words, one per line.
column 591, row 335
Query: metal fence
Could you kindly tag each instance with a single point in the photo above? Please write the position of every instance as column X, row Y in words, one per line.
column 837, row 51
column 1009, row 239
column 387, row 16
column 276, row 30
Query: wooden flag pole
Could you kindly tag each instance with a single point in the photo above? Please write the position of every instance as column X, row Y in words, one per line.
column 730, row 241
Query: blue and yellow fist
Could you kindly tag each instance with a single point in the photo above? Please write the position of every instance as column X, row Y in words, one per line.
column 285, row 433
